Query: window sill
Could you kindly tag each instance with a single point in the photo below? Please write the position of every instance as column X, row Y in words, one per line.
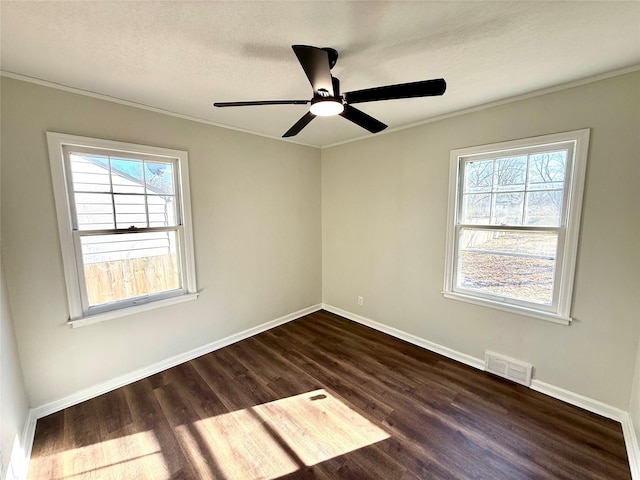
column 123, row 312
column 549, row 317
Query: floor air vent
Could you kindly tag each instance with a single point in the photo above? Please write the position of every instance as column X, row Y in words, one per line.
column 509, row 368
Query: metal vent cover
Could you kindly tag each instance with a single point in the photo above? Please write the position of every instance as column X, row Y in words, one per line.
column 509, row 368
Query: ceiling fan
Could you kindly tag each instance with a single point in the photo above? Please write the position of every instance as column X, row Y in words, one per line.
column 327, row 100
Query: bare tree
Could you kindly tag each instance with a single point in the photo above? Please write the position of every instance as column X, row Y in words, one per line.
column 518, row 189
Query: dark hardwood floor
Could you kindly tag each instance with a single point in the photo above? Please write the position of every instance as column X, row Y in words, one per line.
column 324, row 398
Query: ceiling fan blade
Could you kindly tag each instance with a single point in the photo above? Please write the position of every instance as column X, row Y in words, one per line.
column 362, row 119
column 300, row 124
column 425, row 88
column 261, row 102
column 315, row 63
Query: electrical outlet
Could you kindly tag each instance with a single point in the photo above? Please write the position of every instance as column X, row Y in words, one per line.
column 360, row 300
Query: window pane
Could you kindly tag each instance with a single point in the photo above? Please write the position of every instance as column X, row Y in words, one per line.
column 547, row 170
column 89, row 173
column 508, row 209
column 126, row 175
column 159, row 177
column 517, row 265
column 544, row 208
column 130, row 211
column 476, row 208
column 510, row 173
column 162, row 211
column 478, row 176
column 125, row 266
column 94, row 211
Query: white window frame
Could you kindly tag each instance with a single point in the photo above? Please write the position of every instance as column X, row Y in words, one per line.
column 80, row 313
column 568, row 232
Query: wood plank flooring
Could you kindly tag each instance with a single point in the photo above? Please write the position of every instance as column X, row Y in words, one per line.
column 324, row 398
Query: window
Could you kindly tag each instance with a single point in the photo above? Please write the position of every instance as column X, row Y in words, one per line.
column 125, row 226
column 514, row 217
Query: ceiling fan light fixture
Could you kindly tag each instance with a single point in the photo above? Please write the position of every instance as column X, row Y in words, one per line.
column 326, row 107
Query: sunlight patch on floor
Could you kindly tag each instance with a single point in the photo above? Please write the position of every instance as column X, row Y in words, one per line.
column 124, row 457
column 264, row 441
column 277, row 438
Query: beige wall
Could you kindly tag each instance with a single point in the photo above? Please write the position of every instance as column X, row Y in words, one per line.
column 257, row 210
column 13, row 398
column 384, row 223
column 256, row 214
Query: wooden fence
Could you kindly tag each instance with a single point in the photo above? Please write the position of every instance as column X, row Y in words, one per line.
column 135, row 277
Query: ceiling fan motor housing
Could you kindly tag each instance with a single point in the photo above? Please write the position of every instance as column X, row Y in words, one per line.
column 323, row 92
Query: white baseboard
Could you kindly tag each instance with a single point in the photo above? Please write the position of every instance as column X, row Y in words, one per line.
column 603, row 409
column 18, row 466
column 421, row 342
column 586, row 403
column 139, row 374
column 589, row 404
column 633, row 447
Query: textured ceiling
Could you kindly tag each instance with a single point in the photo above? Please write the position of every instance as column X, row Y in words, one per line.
column 182, row 56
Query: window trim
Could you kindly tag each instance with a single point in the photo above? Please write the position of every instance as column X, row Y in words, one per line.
column 566, row 264
column 72, row 264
